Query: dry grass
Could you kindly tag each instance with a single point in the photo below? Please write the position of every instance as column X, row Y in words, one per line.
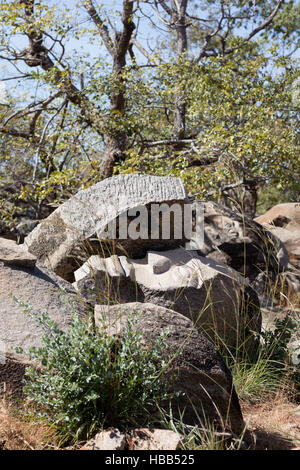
column 20, row 433
column 274, row 424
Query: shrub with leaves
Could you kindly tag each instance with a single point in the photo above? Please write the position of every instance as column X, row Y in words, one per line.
column 89, row 379
column 279, row 350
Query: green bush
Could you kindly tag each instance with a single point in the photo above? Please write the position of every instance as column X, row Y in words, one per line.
column 271, row 195
column 88, row 378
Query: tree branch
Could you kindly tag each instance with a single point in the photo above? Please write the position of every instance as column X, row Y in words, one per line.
column 168, row 142
column 148, row 56
column 165, row 7
column 123, row 39
column 208, row 37
column 260, row 27
column 202, row 53
column 43, row 137
column 37, row 55
column 266, row 22
column 23, row 112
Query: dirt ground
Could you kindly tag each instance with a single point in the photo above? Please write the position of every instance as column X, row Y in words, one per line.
column 275, row 425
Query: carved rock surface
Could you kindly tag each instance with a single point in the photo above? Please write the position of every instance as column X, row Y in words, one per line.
column 214, row 296
column 62, row 241
column 136, row 439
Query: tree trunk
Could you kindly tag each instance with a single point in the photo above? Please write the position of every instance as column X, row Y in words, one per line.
column 116, row 142
column 114, row 152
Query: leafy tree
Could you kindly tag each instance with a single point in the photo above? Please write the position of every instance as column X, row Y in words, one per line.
column 217, row 37
column 206, row 105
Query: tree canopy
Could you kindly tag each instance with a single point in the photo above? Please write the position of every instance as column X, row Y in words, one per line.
column 204, row 90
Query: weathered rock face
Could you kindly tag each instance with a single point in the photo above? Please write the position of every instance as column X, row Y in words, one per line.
column 24, row 227
column 111, row 439
column 136, row 439
column 153, row 439
column 282, row 215
column 14, row 255
column 197, row 369
column 42, row 290
column 283, row 221
column 264, row 285
column 215, row 297
column 63, row 240
column 240, row 242
column 18, row 230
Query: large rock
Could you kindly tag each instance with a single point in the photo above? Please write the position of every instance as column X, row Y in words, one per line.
column 45, row 292
column 215, row 297
column 281, row 289
column 282, row 215
column 72, row 232
column 197, row 369
column 136, row 439
column 283, row 221
column 153, row 439
column 240, row 242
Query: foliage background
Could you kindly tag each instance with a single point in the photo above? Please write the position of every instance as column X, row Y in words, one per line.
column 208, row 102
